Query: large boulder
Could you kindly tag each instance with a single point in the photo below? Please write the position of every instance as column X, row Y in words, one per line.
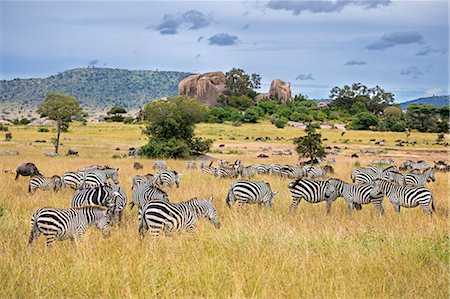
column 206, row 88
column 280, row 90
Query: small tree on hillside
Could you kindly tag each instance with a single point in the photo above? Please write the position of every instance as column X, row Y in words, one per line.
column 60, row 108
column 117, row 112
column 310, row 146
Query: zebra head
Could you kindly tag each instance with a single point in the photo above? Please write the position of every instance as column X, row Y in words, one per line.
column 430, row 174
column 209, row 211
column 330, row 191
column 377, row 188
column 57, row 183
column 103, row 218
column 112, row 173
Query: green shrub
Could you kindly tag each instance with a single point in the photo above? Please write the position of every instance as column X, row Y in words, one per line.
column 128, row 120
column 8, row 136
column 42, row 130
column 171, row 148
column 281, row 122
column 364, row 121
column 4, row 128
column 24, row 121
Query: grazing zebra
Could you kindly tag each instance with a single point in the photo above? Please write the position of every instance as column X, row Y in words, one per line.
column 250, row 192
column 408, row 197
column 226, row 173
column 202, row 163
column 144, row 192
column 62, row 224
column 383, row 161
column 357, row 195
column 43, row 183
column 397, row 177
column 314, row 172
column 275, row 169
column 421, row 179
column 73, row 179
column 246, row 171
column 111, row 196
column 159, row 216
column 160, row 165
column 312, row 192
column 146, row 179
column 209, row 170
column 263, row 168
column 292, row 172
column 167, row 178
column 191, row 165
column 366, row 175
column 100, row 176
column 408, row 164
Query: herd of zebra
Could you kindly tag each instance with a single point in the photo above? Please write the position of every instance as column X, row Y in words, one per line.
column 100, row 203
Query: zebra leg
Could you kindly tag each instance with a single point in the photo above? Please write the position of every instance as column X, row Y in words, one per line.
column 50, row 239
column 328, row 207
column 379, row 206
column 397, row 209
column 426, row 210
column 350, row 206
column 34, row 235
column 295, row 203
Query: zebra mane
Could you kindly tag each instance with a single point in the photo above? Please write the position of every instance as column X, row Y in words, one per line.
column 95, row 207
column 56, row 177
column 88, row 186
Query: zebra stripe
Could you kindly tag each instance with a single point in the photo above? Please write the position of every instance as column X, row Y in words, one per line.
column 408, row 197
column 62, row 224
column 100, row 176
column 262, row 168
column 408, row 165
column 357, row 195
column 167, row 178
column 292, row 172
column 397, row 177
column 159, row 216
column 250, row 192
column 73, row 179
column 226, row 173
column 160, row 165
column 209, row 170
column 43, row 183
column 314, row 172
column 367, row 175
column 312, row 192
column 191, row 165
column 144, row 192
column 421, row 179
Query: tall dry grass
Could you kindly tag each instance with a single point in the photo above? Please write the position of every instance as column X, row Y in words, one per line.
column 256, row 253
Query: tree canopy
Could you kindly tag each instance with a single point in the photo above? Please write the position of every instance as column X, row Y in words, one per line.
column 310, row 146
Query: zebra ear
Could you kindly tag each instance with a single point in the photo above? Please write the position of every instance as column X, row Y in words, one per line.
column 211, row 198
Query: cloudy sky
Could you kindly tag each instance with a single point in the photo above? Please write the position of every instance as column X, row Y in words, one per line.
column 401, row 46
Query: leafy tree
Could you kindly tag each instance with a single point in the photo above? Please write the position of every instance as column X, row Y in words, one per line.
column 170, row 128
column 310, row 146
column 393, row 112
column 239, row 83
column 61, row 108
column 221, row 114
column 364, row 121
column 117, row 110
column 425, row 118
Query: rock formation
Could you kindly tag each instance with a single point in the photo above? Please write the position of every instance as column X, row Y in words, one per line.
column 206, row 88
column 280, row 90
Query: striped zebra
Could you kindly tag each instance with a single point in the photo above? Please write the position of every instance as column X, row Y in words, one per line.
column 262, row 168
column 416, row 180
column 292, row 172
column 209, row 170
column 159, row 216
column 160, row 165
column 43, row 183
column 202, row 163
column 167, row 178
column 147, row 179
column 191, row 165
column 408, row 197
column 226, row 173
column 111, row 196
column 312, row 192
column 144, row 192
column 314, row 172
column 397, row 177
column 245, row 171
column 73, row 179
column 274, row 169
column 250, row 192
column 62, row 224
column 100, row 176
column 357, row 195
column 366, row 175
column 408, row 165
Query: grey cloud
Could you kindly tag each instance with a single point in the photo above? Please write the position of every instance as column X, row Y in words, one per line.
column 412, row 71
column 425, row 51
column 191, row 19
column 93, row 62
column 223, row 39
column 246, row 26
column 355, row 62
column 199, row 39
column 394, row 39
column 324, row 6
column 304, row 77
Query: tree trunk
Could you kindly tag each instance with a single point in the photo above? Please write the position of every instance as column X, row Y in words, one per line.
column 58, row 130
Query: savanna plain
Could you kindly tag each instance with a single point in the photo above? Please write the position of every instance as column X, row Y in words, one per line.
column 260, row 253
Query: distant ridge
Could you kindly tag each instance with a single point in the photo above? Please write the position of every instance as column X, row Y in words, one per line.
column 436, row 101
column 96, row 88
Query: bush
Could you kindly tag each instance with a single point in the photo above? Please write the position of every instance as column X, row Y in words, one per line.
column 128, row 120
column 24, row 121
column 281, row 122
column 8, row 136
column 43, row 130
column 237, row 123
column 171, row 148
column 251, row 115
column 116, row 118
column 4, row 128
column 364, row 121
column 200, row 146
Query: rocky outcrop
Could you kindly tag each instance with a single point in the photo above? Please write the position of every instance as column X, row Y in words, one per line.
column 280, row 90
column 206, row 88
column 262, row 96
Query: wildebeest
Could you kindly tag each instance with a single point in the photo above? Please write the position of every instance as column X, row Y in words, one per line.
column 27, row 169
column 72, row 152
column 138, row 166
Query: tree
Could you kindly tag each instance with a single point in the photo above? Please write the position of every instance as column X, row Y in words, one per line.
column 61, row 108
column 423, row 118
column 310, row 146
column 364, row 121
column 170, row 128
column 239, row 83
column 117, row 111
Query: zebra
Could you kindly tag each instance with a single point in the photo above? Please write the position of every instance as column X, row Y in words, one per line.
column 314, row 172
column 191, row 165
column 226, row 172
column 43, row 183
column 62, row 224
column 159, row 216
column 366, row 175
column 274, row 169
column 357, row 195
column 160, row 165
column 397, row 177
column 147, row 179
column 383, row 161
column 245, row 171
column 73, row 179
column 262, row 168
column 312, row 192
column 209, row 170
column 111, row 196
column 292, row 172
column 408, row 164
column 143, row 193
column 408, row 197
column 100, row 176
column 202, row 163
column 167, row 178
column 421, row 179
column 250, row 192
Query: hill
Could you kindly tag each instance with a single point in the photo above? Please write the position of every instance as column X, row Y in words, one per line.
column 437, row 101
column 96, row 88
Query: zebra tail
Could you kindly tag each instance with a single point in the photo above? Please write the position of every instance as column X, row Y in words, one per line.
column 143, row 226
column 34, row 233
column 432, row 204
column 230, row 198
column 29, row 188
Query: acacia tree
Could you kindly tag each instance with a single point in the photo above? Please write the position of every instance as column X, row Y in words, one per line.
column 61, row 108
column 310, row 146
column 239, row 83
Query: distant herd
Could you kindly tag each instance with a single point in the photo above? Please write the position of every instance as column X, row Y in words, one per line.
column 101, row 203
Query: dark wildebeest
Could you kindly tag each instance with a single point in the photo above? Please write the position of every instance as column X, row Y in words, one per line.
column 138, row 166
column 27, row 169
column 72, row 152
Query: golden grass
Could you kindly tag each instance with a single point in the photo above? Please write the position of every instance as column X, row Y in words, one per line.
column 256, row 253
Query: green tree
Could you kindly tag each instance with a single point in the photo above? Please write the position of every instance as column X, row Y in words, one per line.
column 170, row 128
column 310, row 146
column 364, row 121
column 239, row 83
column 422, row 117
column 61, row 108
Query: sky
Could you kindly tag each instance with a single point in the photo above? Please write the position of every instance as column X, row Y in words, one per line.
column 401, row 46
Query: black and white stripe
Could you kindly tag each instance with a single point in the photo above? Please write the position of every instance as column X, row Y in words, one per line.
column 290, row 171
column 408, row 165
column 73, row 179
column 408, row 197
column 357, row 195
column 191, row 165
column 43, row 183
column 312, row 192
column 314, row 172
column 144, row 192
column 167, row 178
column 416, row 180
column 159, row 216
column 160, row 165
column 250, row 192
column 209, row 170
column 100, row 176
column 366, row 175
column 62, row 224
column 262, row 168
column 226, row 172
